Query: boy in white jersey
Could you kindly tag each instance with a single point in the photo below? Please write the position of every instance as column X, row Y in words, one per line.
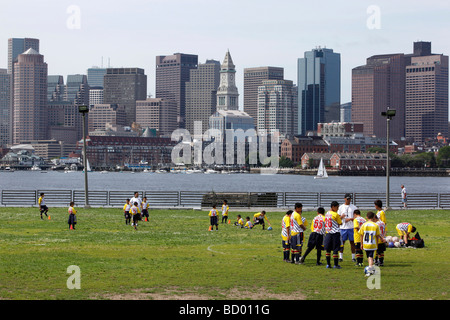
column 316, row 236
column 145, row 206
column 213, row 214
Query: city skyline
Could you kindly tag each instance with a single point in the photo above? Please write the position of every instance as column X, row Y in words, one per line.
column 76, row 36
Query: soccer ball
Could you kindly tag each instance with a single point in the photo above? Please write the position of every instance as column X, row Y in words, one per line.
column 394, row 239
column 369, row 271
column 388, row 239
column 391, row 245
column 397, row 244
column 269, row 228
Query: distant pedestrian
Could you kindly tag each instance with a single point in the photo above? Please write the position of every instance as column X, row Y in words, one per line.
column 404, row 197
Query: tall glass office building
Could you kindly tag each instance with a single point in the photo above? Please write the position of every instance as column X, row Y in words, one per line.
column 319, row 88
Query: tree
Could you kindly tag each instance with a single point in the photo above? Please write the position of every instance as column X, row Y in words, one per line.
column 443, row 158
column 285, row 162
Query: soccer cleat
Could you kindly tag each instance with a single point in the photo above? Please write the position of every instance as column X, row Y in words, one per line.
column 337, row 267
column 328, row 266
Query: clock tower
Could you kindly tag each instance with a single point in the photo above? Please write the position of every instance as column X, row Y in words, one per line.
column 227, row 93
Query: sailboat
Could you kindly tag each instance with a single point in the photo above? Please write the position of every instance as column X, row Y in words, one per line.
column 322, row 172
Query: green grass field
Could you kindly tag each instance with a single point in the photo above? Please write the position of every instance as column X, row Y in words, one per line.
column 174, row 256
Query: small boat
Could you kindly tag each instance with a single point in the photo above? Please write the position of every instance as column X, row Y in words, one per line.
column 36, row 168
column 321, row 172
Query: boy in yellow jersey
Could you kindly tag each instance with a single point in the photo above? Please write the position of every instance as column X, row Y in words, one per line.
column 248, row 224
column 332, row 239
column 379, row 254
column 297, row 226
column 136, row 214
column 358, row 221
column 380, row 213
column 316, row 236
column 286, row 235
column 145, row 206
column 370, row 237
column 404, row 229
column 239, row 222
column 213, row 214
column 225, row 211
column 258, row 218
column 72, row 216
column 42, row 207
column 126, row 212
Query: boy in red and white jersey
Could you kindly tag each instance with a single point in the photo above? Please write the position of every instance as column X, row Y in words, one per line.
column 316, row 237
column 332, row 240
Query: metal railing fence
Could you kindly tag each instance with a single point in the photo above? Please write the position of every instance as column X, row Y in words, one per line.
column 204, row 199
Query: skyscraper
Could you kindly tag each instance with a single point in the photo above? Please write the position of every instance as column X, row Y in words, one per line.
column 5, row 106
column 319, row 88
column 376, row 86
column 201, row 92
column 30, row 97
column 159, row 114
column 277, row 107
column 125, row 86
column 253, row 78
column 172, row 73
column 426, row 98
column 95, row 76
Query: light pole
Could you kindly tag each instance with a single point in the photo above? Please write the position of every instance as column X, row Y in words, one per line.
column 389, row 114
column 83, row 110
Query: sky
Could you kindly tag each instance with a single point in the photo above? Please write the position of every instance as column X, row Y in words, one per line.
column 77, row 34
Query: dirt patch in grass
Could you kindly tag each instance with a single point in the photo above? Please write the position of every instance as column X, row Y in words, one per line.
column 174, row 293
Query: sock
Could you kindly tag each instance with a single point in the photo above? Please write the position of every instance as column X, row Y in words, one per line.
column 336, row 259
column 319, row 254
column 328, row 256
column 353, row 256
column 341, row 255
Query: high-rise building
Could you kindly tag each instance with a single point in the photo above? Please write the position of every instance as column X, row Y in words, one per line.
column 201, row 92
column 346, row 112
column 376, row 86
column 5, row 107
column 55, row 88
column 125, row 86
column 172, row 74
column 319, row 88
column 159, row 114
column 277, row 107
column 95, row 76
column 102, row 114
column 426, row 101
column 253, row 78
column 30, row 97
column 95, row 95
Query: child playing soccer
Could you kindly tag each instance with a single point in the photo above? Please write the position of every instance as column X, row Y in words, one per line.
column 332, row 239
column 72, row 216
column 225, row 211
column 286, row 235
column 297, row 226
column 42, row 207
column 145, row 207
column 370, row 237
column 404, row 229
column 316, row 237
column 126, row 211
column 248, row 224
column 239, row 222
column 258, row 218
column 213, row 218
column 358, row 221
column 136, row 214
column 380, row 212
column 379, row 255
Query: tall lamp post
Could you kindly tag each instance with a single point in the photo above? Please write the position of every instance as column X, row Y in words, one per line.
column 389, row 114
column 83, row 110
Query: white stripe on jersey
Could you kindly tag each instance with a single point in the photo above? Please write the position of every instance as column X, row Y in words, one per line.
column 403, row 226
column 382, row 227
column 283, row 229
column 318, row 225
column 331, row 225
column 295, row 227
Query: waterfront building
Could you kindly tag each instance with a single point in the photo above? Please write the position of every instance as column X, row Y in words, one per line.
column 293, row 147
column 319, row 88
column 172, row 74
column 5, row 107
column 102, row 114
column 253, row 78
column 158, row 114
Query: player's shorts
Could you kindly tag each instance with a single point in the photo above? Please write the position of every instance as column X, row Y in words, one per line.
column 145, row 213
column 405, row 199
column 137, row 217
column 213, row 220
column 315, row 241
column 297, row 241
column 347, row 234
column 127, row 215
column 381, row 247
column 285, row 244
column 44, row 208
column 259, row 221
column 370, row 253
column 332, row 241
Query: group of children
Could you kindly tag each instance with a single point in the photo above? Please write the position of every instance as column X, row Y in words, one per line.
column 259, row 218
column 136, row 209
column 369, row 235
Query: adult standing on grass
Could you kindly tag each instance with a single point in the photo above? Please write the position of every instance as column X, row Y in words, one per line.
column 137, row 198
column 347, row 233
column 332, row 240
column 404, row 197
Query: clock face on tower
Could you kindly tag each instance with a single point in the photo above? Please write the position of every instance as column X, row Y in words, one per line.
column 231, row 77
